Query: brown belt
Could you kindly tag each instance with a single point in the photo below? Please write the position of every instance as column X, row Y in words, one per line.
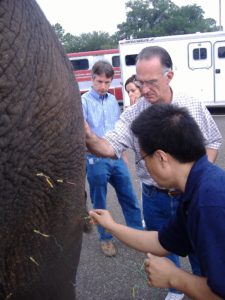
column 169, row 192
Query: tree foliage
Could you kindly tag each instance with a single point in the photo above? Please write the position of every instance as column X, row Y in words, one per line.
column 60, row 32
column 162, row 17
column 84, row 42
column 144, row 18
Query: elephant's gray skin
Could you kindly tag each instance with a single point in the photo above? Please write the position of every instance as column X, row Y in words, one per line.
column 42, row 169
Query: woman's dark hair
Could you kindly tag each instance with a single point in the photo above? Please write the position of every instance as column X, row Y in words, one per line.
column 131, row 79
column 169, row 128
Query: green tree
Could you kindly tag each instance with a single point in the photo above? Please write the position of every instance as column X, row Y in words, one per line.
column 96, row 41
column 84, row 42
column 162, row 17
column 145, row 18
column 60, row 32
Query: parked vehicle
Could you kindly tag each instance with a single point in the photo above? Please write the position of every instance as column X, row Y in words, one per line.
column 82, row 63
column 198, row 63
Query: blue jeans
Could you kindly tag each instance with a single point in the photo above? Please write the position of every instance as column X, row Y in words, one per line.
column 158, row 208
column 100, row 172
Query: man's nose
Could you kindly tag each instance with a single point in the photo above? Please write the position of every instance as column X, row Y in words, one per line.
column 145, row 88
column 104, row 84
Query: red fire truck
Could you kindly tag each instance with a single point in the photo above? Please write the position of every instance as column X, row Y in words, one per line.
column 82, row 63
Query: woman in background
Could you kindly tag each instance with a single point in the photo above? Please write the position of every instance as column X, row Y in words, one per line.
column 134, row 93
column 132, row 89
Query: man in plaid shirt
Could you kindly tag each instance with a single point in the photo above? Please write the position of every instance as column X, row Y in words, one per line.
column 153, row 75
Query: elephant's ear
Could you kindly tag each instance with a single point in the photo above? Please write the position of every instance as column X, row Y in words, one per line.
column 87, row 226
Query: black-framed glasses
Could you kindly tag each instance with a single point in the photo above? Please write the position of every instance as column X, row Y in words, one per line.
column 142, row 158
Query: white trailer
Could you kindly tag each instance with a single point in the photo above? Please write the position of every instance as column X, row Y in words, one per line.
column 198, row 63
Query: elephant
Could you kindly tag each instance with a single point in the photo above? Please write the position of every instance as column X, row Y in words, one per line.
column 42, row 165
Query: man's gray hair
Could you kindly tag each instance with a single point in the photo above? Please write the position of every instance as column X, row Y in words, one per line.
column 156, row 51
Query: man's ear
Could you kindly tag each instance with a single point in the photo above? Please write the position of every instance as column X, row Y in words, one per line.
column 170, row 75
column 161, row 155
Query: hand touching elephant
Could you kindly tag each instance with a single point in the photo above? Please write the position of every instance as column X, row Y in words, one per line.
column 42, row 172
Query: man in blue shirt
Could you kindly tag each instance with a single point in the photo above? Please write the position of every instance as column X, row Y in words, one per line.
column 173, row 149
column 101, row 111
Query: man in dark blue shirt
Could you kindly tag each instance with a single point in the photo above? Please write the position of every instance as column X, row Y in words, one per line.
column 173, row 149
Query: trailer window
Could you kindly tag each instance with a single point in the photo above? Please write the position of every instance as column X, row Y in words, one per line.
column 116, row 61
column 80, row 64
column 130, row 60
column 221, row 52
column 199, row 53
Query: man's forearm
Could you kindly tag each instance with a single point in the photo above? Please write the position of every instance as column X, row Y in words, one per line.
column 99, row 146
column 144, row 241
column 212, row 154
column 193, row 286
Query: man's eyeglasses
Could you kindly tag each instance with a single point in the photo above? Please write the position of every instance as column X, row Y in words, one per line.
column 142, row 158
column 150, row 83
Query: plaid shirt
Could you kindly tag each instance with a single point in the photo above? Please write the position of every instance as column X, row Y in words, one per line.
column 121, row 137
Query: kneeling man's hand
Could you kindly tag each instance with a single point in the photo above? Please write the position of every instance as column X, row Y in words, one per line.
column 159, row 271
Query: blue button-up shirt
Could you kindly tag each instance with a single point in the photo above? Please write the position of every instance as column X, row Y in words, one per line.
column 100, row 112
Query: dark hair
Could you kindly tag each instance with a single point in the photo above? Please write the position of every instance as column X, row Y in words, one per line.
column 131, row 79
column 169, row 128
column 156, row 51
column 102, row 67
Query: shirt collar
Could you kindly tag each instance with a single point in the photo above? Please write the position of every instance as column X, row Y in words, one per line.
column 95, row 95
column 195, row 175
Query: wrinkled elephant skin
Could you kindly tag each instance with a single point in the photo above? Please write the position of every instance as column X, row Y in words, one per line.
column 42, row 169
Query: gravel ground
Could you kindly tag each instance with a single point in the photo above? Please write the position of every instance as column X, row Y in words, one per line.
column 117, row 278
